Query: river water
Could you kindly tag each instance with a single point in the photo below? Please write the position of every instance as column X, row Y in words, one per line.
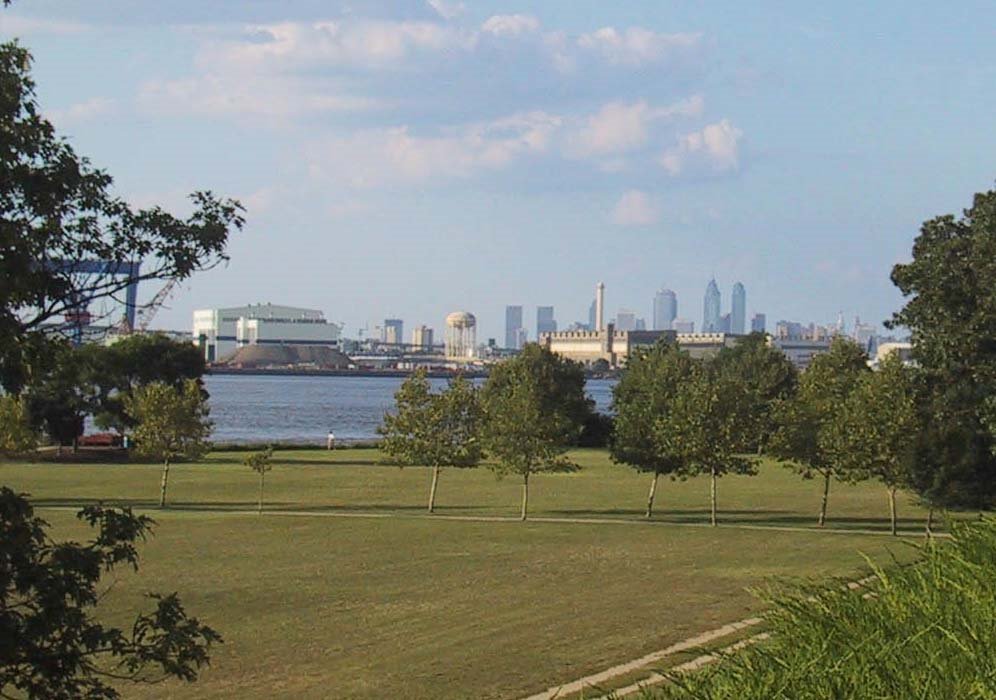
column 252, row 408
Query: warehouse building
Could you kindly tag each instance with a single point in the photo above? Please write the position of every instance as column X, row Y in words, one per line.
column 220, row 332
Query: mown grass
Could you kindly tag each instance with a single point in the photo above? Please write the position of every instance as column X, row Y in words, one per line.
column 926, row 631
column 396, row 603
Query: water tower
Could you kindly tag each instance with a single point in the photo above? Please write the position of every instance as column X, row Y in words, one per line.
column 461, row 335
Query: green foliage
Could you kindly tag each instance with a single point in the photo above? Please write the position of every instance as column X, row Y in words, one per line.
column 653, row 378
column 921, row 631
column 51, row 645
column 57, row 207
column 17, row 437
column 534, row 409
column 260, row 462
column 950, row 311
column 169, row 423
column 768, row 375
column 63, row 391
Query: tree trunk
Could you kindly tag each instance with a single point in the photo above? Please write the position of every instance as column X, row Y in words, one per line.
column 930, row 523
column 259, row 503
column 162, row 486
column 650, row 498
column 892, row 509
column 712, row 498
column 432, row 489
column 525, row 495
column 823, row 503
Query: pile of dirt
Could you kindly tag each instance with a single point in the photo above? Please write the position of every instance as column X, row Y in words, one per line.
column 260, row 356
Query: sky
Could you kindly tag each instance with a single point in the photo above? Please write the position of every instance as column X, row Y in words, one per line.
column 408, row 159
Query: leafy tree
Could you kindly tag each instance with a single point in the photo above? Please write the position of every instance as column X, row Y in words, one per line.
column 260, row 462
column 16, row 434
column 170, row 423
column 707, row 426
column 644, row 394
column 57, row 209
column 874, row 434
column 801, row 422
column 59, row 399
column 439, row 430
column 950, row 286
column 51, row 647
column 768, row 375
column 534, row 408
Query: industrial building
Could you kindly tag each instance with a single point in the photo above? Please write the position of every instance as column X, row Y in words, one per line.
column 220, row 332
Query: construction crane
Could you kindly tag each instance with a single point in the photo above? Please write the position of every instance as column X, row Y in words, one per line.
column 148, row 312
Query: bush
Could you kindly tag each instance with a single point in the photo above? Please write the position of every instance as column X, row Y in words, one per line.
column 920, row 631
column 596, row 431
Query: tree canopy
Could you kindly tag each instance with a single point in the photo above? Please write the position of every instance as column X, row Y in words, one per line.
column 57, row 210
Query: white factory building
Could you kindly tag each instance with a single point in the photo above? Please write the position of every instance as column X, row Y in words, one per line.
column 220, row 332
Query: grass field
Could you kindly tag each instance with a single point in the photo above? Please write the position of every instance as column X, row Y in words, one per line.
column 396, row 603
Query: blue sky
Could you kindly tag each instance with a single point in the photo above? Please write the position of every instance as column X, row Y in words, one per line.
column 406, row 159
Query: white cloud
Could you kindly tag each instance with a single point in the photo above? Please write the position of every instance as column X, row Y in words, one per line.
column 637, row 46
column 635, row 208
column 82, row 111
column 380, row 156
column 510, row 25
column 619, row 127
column 447, row 10
column 715, row 149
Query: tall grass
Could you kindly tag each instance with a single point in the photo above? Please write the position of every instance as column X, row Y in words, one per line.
column 927, row 630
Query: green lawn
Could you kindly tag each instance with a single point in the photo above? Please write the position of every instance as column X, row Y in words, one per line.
column 417, row 606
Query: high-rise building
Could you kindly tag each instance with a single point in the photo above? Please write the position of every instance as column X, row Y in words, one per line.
column 725, row 323
column 665, row 309
column 393, row 331
column 422, row 337
column 738, row 310
column 683, row 325
column 625, row 320
column 710, row 315
column 641, row 324
column 521, row 337
column 513, row 324
column 545, row 323
column 592, row 310
column 757, row 323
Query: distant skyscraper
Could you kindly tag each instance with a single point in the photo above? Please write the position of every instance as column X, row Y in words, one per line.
column 422, row 337
column 757, row 323
column 513, row 323
column 665, row 309
column 545, row 322
column 738, row 312
column 393, row 331
column 725, row 323
column 592, row 311
column 710, row 315
column 683, row 325
column 641, row 324
column 626, row 320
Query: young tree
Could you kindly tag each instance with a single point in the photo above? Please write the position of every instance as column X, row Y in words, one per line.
column 648, row 385
column 17, row 437
column 707, row 428
column 534, row 408
column 51, row 646
column 59, row 213
column 874, row 433
column 768, row 375
column 801, row 422
column 259, row 462
column 170, row 423
column 438, row 430
column 62, row 392
column 950, row 290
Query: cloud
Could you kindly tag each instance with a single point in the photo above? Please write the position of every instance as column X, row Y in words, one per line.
column 447, row 10
column 715, row 149
column 382, row 156
column 637, row 46
column 510, row 25
column 82, row 111
column 619, row 127
column 635, row 208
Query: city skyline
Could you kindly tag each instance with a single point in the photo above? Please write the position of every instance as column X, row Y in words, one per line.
column 614, row 143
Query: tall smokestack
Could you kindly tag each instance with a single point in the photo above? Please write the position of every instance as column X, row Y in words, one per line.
column 599, row 306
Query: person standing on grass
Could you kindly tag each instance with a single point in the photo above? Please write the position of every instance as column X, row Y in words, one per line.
column 330, row 442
